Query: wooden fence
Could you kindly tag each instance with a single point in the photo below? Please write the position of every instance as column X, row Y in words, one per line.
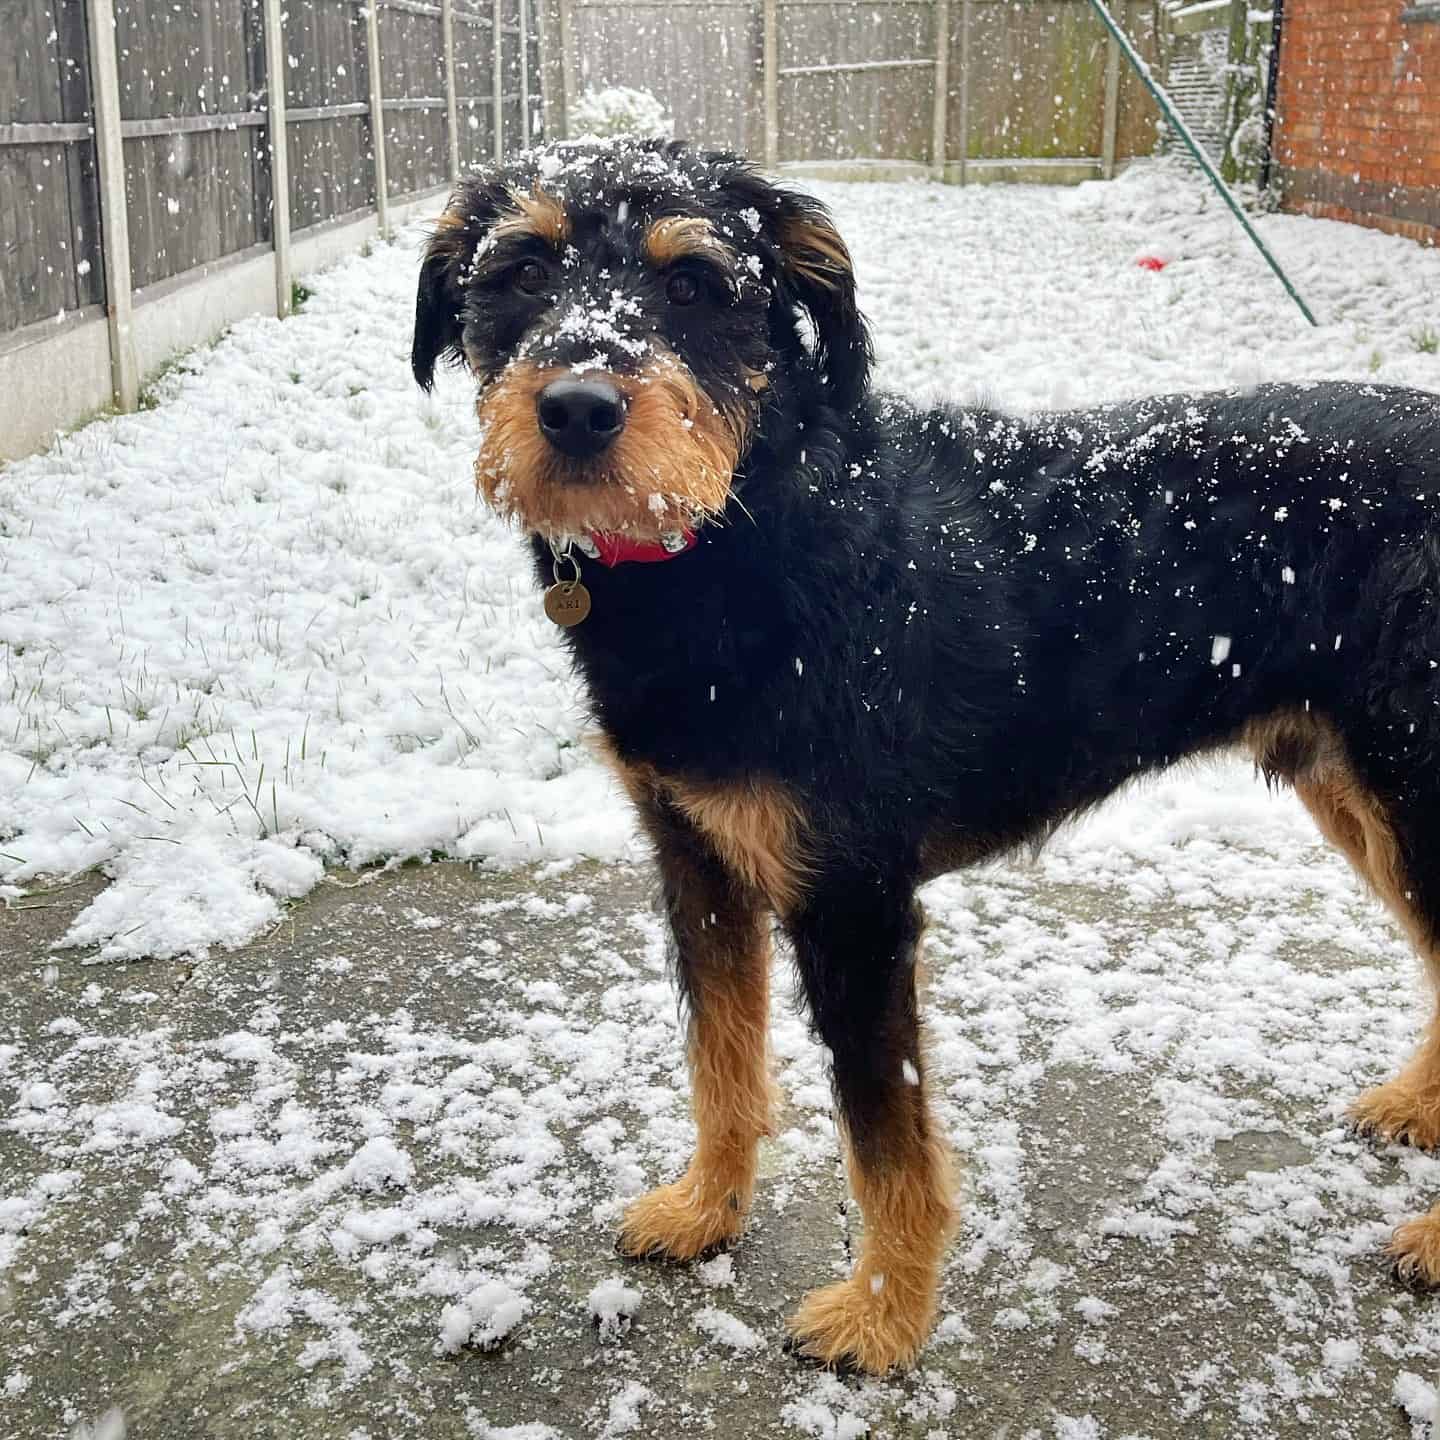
column 167, row 165
column 966, row 89
column 145, row 142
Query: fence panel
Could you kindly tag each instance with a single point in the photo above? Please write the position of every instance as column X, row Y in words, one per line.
column 1140, row 124
column 475, row 81
column 856, row 114
column 412, row 74
column 332, row 165
column 1037, row 80
column 49, row 230
column 196, row 191
column 701, row 60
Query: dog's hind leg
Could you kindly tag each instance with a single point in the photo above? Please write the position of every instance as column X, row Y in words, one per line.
column 721, row 929
column 1395, row 847
column 857, row 949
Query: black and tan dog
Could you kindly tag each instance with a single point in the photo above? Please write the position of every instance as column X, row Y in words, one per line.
column 839, row 645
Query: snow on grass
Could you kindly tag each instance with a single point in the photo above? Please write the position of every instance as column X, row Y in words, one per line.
column 266, row 626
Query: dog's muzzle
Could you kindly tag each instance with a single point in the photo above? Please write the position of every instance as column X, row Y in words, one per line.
column 580, row 418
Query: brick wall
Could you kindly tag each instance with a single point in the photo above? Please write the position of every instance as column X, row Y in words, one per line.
column 1357, row 134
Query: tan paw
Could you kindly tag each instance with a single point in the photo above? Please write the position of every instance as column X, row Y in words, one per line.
column 860, row 1325
column 1415, row 1250
column 1400, row 1112
column 680, row 1221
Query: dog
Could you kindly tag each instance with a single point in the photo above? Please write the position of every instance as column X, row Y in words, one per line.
column 838, row 644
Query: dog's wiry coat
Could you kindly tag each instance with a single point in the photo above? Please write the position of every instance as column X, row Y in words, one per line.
column 910, row 639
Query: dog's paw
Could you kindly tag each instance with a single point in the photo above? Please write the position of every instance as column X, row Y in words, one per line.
column 679, row 1222
column 1414, row 1251
column 1400, row 1112
column 861, row 1324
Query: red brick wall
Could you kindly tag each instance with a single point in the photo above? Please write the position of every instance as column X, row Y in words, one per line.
column 1357, row 134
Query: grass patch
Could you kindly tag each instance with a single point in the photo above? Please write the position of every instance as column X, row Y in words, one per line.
column 1427, row 340
column 299, row 294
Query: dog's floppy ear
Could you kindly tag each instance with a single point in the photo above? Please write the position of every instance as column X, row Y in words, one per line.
column 473, row 209
column 815, row 273
column 439, row 298
column 817, row 267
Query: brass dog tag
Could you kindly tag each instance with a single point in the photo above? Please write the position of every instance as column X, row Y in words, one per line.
column 567, row 603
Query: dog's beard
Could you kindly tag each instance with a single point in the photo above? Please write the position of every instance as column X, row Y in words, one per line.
column 669, row 469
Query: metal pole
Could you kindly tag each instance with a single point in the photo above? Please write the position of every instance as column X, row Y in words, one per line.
column 452, row 112
column 965, row 93
column 497, row 89
column 770, row 51
column 114, row 214
column 1201, row 158
column 1272, row 93
column 938, row 136
column 279, row 154
column 377, row 114
column 525, row 74
column 1110, row 132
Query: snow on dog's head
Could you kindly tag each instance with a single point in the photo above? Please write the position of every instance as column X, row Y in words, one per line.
column 629, row 311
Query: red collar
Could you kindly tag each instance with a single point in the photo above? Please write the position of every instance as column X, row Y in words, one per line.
column 613, row 550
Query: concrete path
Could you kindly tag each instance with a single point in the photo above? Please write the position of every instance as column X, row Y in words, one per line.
column 142, row 1296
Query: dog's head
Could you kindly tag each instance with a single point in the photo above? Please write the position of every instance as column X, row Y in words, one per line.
column 627, row 310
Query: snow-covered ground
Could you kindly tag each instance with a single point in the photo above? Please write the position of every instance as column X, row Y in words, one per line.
column 265, row 627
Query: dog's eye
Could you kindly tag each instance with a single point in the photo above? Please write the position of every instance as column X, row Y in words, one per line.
column 529, row 276
column 682, row 288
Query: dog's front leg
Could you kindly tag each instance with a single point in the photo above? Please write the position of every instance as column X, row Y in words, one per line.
column 722, row 940
column 857, row 946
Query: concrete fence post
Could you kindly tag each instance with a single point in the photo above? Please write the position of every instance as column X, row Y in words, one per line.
column 452, row 109
column 114, row 213
column 525, row 74
column 1112, row 108
column 497, row 88
column 279, row 154
column 964, row 137
column 939, row 139
column 377, row 114
column 770, row 54
column 567, row 68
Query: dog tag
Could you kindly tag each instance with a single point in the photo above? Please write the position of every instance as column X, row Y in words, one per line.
column 567, row 604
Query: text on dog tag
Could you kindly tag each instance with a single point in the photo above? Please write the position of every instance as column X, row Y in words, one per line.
column 567, row 604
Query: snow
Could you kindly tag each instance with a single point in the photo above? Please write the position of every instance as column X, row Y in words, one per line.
column 266, row 627
column 265, row 631
column 726, row 1329
column 483, row 1317
column 613, row 1304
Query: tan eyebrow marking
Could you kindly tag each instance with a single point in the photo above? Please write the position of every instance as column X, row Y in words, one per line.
column 673, row 237
column 535, row 214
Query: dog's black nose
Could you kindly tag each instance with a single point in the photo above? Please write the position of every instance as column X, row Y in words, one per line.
column 580, row 417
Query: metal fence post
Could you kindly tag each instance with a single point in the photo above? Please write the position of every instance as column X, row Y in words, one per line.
column 377, row 114
column 114, row 213
column 1112, row 108
column 279, row 154
column 770, row 48
column 452, row 111
column 497, row 89
column 942, row 89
